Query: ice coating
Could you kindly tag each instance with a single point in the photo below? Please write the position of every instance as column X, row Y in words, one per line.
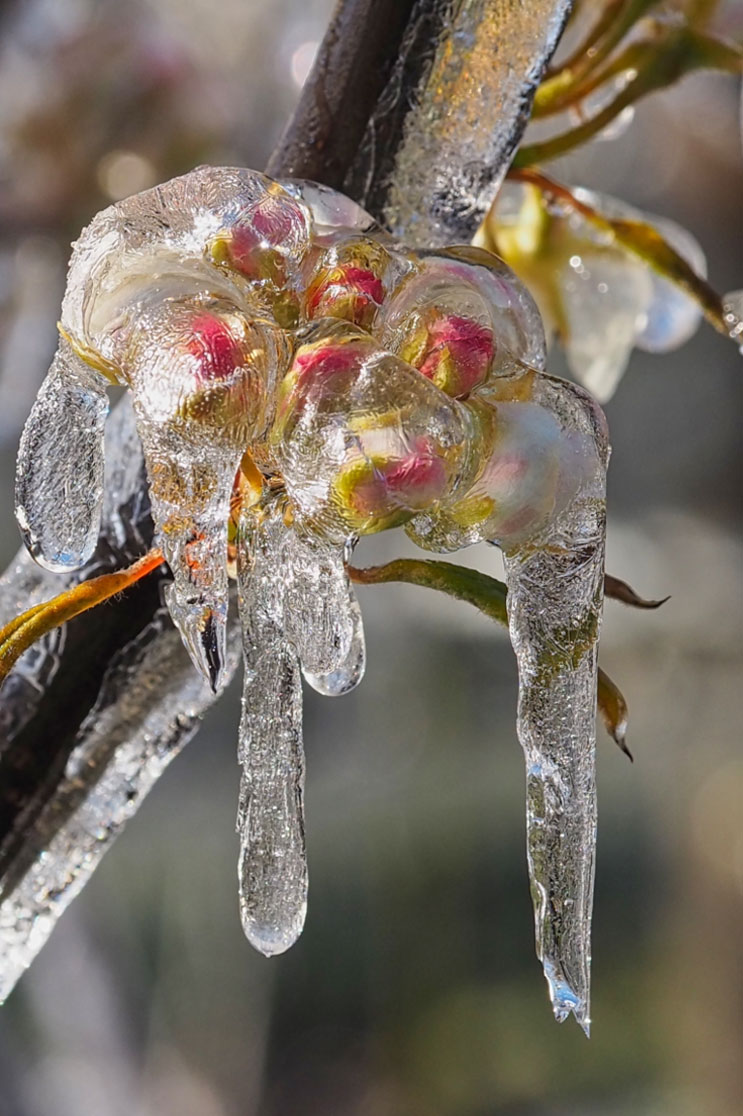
column 363, row 440
column 59, row 479
column 463, row 287
column 148, row 705
column 299, row 379
column 555, row 599
column 599, row 300
column 272, row 867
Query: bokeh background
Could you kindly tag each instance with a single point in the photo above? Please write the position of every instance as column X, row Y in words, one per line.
column 414, row 990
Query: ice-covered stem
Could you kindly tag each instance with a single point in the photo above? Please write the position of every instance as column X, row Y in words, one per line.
column 89, row 717
column 443, row 115
column 555, row 600
column 20, row 633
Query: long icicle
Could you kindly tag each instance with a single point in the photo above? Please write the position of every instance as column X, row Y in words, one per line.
column 555, row 599
column 272, row 867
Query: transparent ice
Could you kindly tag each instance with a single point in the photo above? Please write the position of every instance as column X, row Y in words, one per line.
column 272, row 866
column 600, row 300
column 555, row 599
column 148, row 707
column 297, row 611
column 59, row 494
column 298, row 380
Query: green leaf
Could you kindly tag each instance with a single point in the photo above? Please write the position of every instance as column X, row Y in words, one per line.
column 489, row 596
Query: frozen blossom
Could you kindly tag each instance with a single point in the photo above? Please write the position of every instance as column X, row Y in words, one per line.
column 299, row 380
column 599, row 301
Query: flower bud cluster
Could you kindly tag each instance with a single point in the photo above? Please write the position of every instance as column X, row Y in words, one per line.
column 381, row 386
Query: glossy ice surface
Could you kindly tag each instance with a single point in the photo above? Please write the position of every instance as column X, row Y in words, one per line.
column 599, row 300
column 300, row 379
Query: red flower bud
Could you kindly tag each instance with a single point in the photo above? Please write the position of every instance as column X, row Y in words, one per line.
column 454, row 352
column 346, row 291
column 215, row 347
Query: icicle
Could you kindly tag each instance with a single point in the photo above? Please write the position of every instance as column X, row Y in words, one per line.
column 555, row 596
column 272, row 867
column 349, row 671
column 59, row 480
column 190, row 506
column 319, row 622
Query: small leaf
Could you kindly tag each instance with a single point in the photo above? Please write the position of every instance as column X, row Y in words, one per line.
column 613, row 710
column 649, row 66
column 619, row 590
column 644, row 241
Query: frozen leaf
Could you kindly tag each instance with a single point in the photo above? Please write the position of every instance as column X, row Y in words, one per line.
column 606, row 276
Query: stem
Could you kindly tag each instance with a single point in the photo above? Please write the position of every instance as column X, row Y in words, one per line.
column 650, row 66
column 24, row 630
column 489, row 596
column 558, row 91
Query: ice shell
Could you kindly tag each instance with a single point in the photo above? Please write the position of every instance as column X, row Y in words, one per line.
column 602, row 300
column 530, row 469
column 266, row 243
column 59, row 479
column 672, row 316
column 330, row 209
column 350, row 280
column 204, row 368
column 362, row 439
column 606, row 300
column 177, row 218
column 472, row 284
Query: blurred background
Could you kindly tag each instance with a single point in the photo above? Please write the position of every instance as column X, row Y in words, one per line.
column 414, row 990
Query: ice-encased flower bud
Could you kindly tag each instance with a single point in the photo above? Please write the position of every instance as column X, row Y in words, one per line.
column 266, row 243
column 462, row 318
column 362, row 439
column 529, row 469
column 455, row 352
column 349, row 281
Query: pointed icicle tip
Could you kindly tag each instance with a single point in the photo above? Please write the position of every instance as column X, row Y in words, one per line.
column 565, row 1001
column 204, row 634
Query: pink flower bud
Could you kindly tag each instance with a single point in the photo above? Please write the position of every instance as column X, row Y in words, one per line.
column 454, row 352
column 346, row 291
column 267, row 244
column 376, row 493
column 216, row 349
